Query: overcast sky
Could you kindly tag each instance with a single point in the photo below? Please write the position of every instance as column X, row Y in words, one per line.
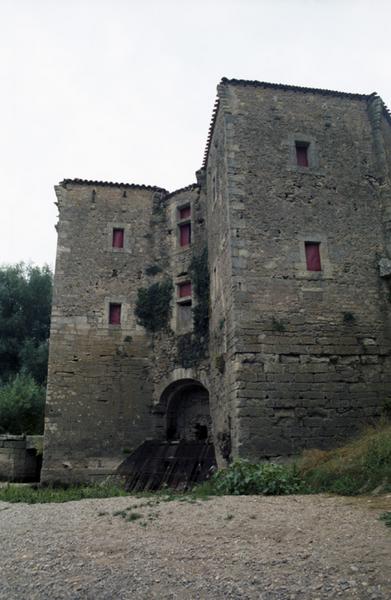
column 123, row 90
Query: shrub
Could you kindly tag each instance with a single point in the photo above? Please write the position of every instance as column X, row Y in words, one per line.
column 22, row 403
column 243, row 477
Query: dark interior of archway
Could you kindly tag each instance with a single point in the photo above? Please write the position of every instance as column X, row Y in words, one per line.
column 188, row 415
column 186, row 457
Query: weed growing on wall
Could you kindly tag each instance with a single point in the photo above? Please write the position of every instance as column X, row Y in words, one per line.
column 153, row 306
column 192, row 347
column 199, row 272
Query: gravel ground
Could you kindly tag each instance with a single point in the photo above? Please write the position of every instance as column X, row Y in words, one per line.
column 243, row 547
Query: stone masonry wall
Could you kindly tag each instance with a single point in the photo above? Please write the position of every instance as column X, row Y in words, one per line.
column 293, row 358
column 222, row 341
column 312, row 349
column 99, row 390
column 176, row 355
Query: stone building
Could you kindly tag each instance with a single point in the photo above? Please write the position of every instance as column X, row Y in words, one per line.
column 251, row 308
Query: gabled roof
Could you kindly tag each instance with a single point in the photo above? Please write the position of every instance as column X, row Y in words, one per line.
column 113, row 184
column 187, row 188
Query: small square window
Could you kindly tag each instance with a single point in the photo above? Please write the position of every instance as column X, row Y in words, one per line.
column 302, row 154
column 184, row 212
column 184, row 289
column 114, row 314
column 312, row 255
column 185, row 234
column 118, row 238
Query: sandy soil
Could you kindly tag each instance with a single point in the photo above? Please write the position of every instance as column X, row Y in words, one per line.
column 245, row 547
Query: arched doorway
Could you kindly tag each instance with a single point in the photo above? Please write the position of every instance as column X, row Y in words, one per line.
column 182, row 453
column 187, row 411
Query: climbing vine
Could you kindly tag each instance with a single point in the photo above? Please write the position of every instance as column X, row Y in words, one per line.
column 192, row 347
column 153, row 306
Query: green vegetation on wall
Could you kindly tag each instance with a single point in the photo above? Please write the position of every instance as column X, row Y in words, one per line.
column 192, row 347
column 199, row 272
column 153, row 306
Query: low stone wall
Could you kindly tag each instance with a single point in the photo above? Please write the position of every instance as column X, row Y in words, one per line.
column 20, row 458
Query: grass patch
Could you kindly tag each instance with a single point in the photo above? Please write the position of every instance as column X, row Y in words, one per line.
column 359, row 467
column 43, row 495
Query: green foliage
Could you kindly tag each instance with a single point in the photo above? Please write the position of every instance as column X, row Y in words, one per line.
column 386, row 517
column 192, row 347
column 277, row 325
column 349, row 318
column 242, row 477
column 199, row 272
column 22, row 403
column 43, row 495
column 153, row 270
column 190, row 350
column 25, row 304
column 359, row 467
column 153, row 306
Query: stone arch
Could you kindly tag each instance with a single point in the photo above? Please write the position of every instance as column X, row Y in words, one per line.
column 185, row 406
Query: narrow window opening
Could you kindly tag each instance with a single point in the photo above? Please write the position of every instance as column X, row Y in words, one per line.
column 115, row 314
column 184, row 212
column 185, row 234
column 118, row 238
column 184, row 312
column 302, row 154
column 312, row 255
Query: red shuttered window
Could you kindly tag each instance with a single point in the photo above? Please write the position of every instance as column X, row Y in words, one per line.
column 115, row 314
column 312, row 255
column 184, row 289
column 302, row 154
column 185, row 234
column 118, row 238
column 184, row 213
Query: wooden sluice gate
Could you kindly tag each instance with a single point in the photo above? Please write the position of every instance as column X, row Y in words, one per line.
column 178, row 465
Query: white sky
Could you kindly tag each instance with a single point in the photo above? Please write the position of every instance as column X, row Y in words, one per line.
column 122, row 90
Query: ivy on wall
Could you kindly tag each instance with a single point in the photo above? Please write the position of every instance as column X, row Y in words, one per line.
column 192, row 347
column 153, row 306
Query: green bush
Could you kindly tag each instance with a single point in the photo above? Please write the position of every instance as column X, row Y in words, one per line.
column 243, row 477
column 22, row 403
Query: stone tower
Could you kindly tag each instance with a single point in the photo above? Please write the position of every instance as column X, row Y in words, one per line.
column 262, row 292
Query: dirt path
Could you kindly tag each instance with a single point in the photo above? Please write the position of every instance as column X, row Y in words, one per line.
column 297, row 547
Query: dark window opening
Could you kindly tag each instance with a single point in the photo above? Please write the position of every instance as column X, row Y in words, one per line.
column 118, row 238
column 302, row 154
column 171, row 433
column 115, row 314
column 200, row 432
column 185, row 234
column 184, row 212
column 312, row 255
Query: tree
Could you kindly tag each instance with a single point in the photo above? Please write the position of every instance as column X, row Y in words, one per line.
column 22, row 403
column 25, row 304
